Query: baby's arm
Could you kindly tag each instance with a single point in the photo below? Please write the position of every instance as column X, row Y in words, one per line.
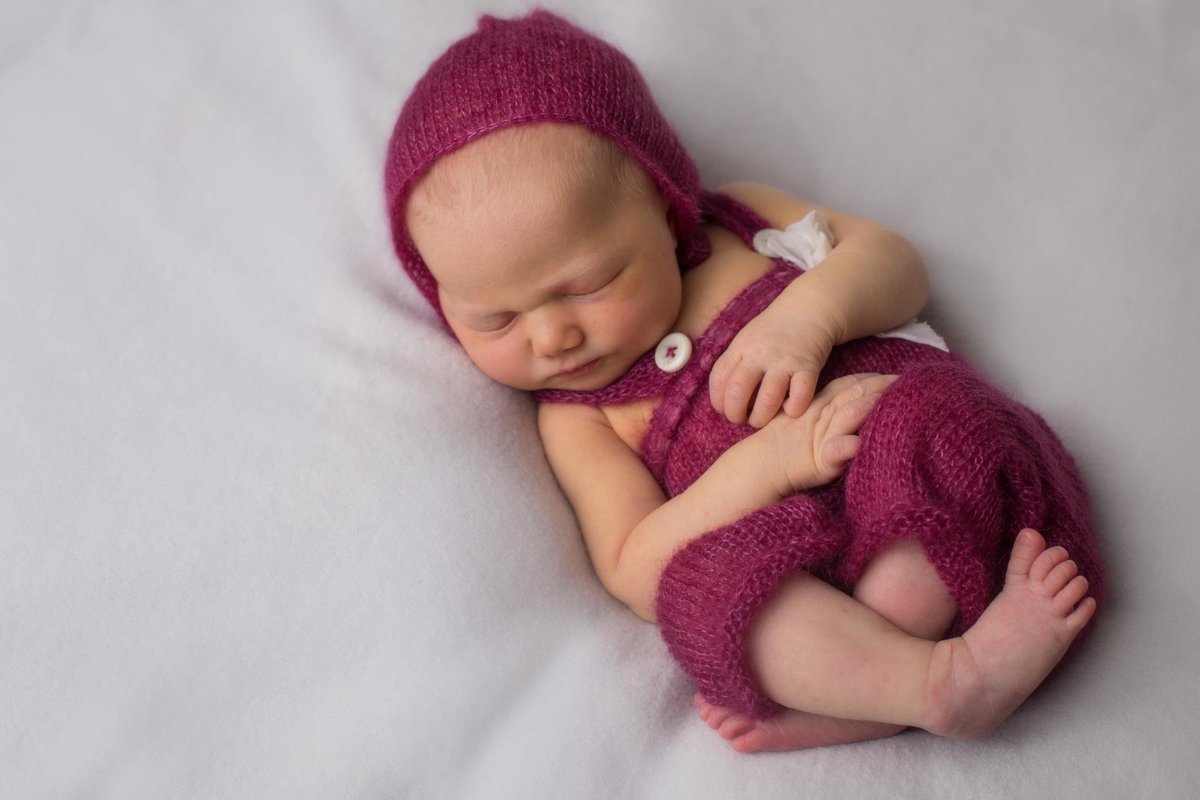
column 614, row 495
column 871, row 281
column 629, row 526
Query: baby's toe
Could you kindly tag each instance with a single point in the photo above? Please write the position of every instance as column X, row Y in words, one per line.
column 1082, row 613
column 737, row 725
column 751, row 742
column 1059, row 576
column 1047, row 561
column 1026, row 549
column 1070, row 596
column 717, row 717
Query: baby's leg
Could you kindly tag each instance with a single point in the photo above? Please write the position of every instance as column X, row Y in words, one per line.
column 816, row 649
column 901, row 586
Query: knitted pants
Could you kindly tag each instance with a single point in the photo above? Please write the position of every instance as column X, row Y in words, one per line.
column 944, row 459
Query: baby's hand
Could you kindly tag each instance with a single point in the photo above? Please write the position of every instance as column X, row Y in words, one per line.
column 774, row 363
column 814, row 449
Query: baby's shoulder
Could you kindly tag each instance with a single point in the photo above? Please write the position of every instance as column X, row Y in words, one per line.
column 557, row 419
column 578, row 426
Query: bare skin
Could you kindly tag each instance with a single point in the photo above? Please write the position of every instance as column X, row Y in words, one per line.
column 978, row 680
column 788, row 730
column 972, row 683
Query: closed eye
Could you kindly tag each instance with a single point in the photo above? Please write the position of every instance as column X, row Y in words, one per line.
column 494, row 323
column 596, row 289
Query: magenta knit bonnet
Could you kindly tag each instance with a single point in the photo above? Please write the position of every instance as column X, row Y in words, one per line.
column 538, row 68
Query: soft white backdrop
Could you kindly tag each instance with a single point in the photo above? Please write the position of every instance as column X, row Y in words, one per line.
column 264, row 532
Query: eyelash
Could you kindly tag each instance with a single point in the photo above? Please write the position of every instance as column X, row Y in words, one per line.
column 598, row 288
column 511, row 317
column 508, row 320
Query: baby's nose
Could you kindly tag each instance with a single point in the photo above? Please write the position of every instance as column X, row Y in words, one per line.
column 554, row 334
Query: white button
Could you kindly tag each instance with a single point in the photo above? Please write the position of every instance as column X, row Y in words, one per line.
column 673, row 352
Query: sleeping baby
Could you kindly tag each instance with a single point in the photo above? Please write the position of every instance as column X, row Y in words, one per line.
column 840, row 528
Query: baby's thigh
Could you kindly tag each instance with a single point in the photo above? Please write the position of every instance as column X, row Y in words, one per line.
column 902, row 586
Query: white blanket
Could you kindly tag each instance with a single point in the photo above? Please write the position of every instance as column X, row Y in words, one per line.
column 265, row 533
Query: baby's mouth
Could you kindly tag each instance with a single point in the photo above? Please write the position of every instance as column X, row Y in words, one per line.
column 582, row 369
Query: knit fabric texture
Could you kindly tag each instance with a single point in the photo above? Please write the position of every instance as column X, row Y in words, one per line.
column 537, row 68
column 944, row 459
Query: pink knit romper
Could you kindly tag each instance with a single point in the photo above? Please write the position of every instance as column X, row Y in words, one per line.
column 944, row 458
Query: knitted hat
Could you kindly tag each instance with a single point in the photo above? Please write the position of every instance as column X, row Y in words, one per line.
column 538, row 68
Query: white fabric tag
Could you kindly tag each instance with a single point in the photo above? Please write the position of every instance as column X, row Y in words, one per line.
column 804, row 243
column 919, row 332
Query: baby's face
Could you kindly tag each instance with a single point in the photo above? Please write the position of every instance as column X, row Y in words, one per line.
column 549, row 282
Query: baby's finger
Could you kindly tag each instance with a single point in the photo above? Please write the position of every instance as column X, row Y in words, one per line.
column 836, row 386
column 800, row 393
column 738, row 391
column 851, row 387
column 771, row 393
column 837, row 452
column 718, row 377
column 880, row 383
column 850, row 415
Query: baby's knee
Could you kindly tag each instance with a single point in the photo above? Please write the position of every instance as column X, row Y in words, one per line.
column 902, row 586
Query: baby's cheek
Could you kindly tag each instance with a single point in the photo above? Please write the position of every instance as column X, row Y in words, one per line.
column 663, row 310
column 497, row 363
column 642, row 323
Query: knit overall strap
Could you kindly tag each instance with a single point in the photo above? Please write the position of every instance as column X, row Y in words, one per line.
column 749, row 303
column 734, row 216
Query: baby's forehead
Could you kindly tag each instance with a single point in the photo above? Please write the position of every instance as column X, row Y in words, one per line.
column 560, row 159
column 544, row 141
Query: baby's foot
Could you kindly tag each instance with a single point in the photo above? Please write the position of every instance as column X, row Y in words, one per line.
column 788, row 730
column 977, row 680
